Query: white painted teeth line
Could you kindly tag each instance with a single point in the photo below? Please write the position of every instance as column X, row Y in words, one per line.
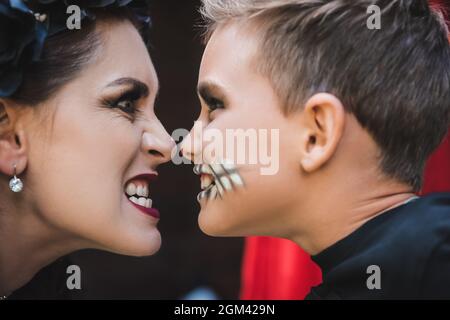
column 226, row 183
column 229, row 166
column 213, row 193
column 221, row 190
column 217, row 168
column 199, row 169
column 145, row 202
column 217, row 179
column 210, row 193
column 236, row 179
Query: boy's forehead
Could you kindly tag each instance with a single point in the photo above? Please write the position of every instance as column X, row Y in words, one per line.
column 231, row 48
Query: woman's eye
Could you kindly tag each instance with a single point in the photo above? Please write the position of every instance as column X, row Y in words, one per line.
column 127, row 102
column 127, row 106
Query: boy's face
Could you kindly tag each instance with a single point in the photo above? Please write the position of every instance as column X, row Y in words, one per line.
column 234, row 96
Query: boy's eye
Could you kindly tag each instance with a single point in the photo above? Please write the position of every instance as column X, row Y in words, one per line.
column 214, row 104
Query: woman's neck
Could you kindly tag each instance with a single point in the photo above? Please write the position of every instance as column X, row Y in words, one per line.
column 27, row 244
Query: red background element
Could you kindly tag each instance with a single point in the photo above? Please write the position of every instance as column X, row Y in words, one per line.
column 279, row 269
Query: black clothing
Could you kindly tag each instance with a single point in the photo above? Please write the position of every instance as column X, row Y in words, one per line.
column 410, row 245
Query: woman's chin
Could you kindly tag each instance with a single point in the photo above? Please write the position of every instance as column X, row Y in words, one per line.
column 142, row 246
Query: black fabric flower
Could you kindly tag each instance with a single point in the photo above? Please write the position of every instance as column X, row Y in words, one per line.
column 21, row 41
column 99, row 3
column 85, row 3
column 22, row 33
column 57, row 16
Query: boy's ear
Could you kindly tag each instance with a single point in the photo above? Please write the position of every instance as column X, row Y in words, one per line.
column 323, row 123
column 13, row 143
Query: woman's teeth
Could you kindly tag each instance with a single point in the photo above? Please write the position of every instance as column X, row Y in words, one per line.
column 140, row 190
column 131, row 189
column 138, row 194
column 145, row 202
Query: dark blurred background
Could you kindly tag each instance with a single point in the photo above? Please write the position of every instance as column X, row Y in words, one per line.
column 188, row 259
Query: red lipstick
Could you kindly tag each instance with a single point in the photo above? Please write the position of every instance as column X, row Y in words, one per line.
column 149, row 211
column 142, row 180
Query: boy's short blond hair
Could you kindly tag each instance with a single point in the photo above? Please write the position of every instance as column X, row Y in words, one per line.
column 394, row 80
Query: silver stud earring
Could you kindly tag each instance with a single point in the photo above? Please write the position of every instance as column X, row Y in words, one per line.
column 15, row 184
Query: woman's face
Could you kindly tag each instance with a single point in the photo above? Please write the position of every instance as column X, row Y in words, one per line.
column 102, row 134
column 243, row 201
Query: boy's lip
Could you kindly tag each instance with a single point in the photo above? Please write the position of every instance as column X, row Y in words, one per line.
column 217, row 179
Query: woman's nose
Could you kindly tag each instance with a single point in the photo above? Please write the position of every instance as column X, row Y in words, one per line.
column 158, row 144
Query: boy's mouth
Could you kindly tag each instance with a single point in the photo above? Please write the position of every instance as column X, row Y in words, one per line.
column 216, row 180
column 137, row 192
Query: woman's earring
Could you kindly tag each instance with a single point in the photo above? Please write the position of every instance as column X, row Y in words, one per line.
column 15, row 184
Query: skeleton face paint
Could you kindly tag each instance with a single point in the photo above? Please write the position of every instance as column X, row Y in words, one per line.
column 217, row 179
column 239, row 200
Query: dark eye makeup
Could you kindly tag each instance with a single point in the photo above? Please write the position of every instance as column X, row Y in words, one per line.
column 212, row 95
column 125, row 102
column 214, row 104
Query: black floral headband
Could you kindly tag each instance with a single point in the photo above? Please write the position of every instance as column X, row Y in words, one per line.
column 25, row 25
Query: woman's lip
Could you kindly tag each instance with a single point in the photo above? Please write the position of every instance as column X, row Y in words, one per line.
column 149, row 177
column 148, row 211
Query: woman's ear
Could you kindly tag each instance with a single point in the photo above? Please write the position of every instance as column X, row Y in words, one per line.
column 323, row 124
column 13, row 143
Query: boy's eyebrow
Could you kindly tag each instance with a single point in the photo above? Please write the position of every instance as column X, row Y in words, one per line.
column 208, row 89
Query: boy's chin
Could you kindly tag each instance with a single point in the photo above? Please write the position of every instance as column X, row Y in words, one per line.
column 213, row 227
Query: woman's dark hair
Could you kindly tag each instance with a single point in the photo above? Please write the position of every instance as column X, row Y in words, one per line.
column 65, row 55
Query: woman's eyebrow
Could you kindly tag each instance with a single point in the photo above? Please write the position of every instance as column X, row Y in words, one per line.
column 135, row 85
